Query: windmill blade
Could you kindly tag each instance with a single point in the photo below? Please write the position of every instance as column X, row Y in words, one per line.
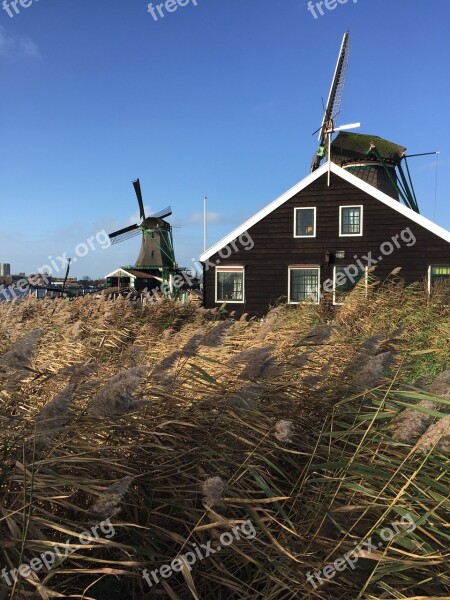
column 345, row 127
column 333, row 106
column 137, row 189
column 124, row 234
column 162, row 214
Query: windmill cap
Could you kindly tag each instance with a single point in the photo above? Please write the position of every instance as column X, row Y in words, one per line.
column 356, row 145
column 155, row 223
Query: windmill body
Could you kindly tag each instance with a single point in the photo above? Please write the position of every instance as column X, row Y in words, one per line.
column 157, row 246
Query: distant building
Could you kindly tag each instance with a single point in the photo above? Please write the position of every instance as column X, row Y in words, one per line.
column 70, row 282
column 5, row 269
column 38, row 279
column 126, row 280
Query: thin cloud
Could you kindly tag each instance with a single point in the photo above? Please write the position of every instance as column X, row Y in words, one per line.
column 13, row 46
column 29, row 48
column 441, row 163
column 212, row 217
column 136, row 217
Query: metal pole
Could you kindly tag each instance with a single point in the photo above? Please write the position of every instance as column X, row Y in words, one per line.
column 205, row 199
column 423, row 154
column 329, row 159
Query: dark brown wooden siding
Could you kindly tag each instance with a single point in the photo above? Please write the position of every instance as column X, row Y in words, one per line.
column 275, row 249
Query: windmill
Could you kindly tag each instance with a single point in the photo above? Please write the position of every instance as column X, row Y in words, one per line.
column 156, row 253
column 371, row 158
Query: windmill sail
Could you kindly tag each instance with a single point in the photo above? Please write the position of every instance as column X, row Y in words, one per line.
column 333, row 106
column 335, row 96
column 124, row 234
column 137, row 189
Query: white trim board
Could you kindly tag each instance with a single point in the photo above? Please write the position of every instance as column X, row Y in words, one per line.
column 237, row 269
column 361, row 220
column 304, row 183
column 304, row 268
column 123, row 273
column 314, row 209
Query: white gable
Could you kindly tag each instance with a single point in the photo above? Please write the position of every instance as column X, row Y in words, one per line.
column 343, row 174
column 120, row 273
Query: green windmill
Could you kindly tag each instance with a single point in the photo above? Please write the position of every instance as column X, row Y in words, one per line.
column 156, row 256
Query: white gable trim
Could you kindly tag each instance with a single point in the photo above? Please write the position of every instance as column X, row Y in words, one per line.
column 388, row 201
column 120, row 273
column 265, row 211
column 304, row 183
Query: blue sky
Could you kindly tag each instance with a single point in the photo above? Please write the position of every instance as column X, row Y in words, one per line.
column 218, row 99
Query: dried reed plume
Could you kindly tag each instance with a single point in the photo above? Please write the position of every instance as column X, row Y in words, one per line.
column 411, row 424
column 261, row 366
column 246, row 397
column 248, row 355
column 54, row 415
column 20, row 354
column 160, row 372
column 441, row 385
column 300, row 360
column 109, row 503
column 371, row 345
column 367, row 372
column 75, row 330
column 437, row 436
column 268, row 323
column 167, row 363
column 133, row 356
column 79, row 372
column 192, row 345
column 212, row 489
column 317, row 336
column 284, row 430
column 215, row 335
column 114, row 398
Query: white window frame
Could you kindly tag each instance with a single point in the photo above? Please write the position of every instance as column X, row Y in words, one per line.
column 314, row 208
column 429, row 274
column 237, row 269
column 302, row 268
column 366, row 281
column 361, row 207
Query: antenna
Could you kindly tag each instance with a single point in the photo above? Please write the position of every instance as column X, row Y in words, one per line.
column 205, row 221
column 411, row 200
column 67, row 275
column 436, row 186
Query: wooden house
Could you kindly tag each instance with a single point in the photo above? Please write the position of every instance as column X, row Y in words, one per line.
column 124, row 280
column 317, row 242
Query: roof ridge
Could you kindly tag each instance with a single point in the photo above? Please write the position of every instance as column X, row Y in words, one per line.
column 308, row 180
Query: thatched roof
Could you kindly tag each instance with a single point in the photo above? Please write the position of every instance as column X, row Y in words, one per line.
column 359, row 144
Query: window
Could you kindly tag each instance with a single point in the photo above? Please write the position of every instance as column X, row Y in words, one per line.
column 304, row 284
column 230, row 284
column 345, row 280
column 438, row 274
column 304, row 222
column 350, row 220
